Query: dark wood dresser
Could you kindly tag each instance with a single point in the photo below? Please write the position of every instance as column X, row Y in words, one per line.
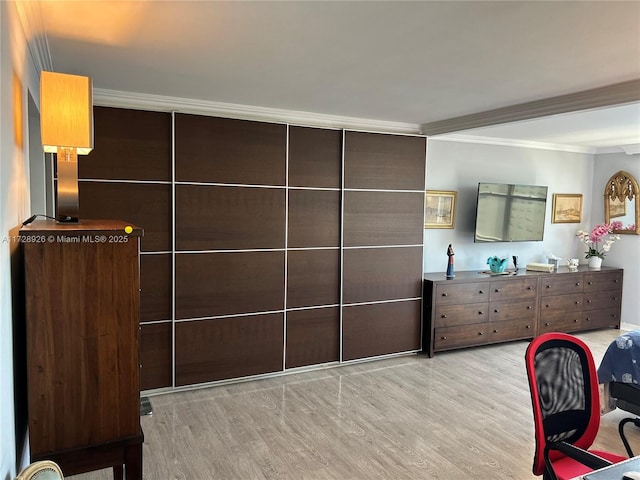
column 477, row 309
column 82, row 319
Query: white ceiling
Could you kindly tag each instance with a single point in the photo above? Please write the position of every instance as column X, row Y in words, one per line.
column 412, row 62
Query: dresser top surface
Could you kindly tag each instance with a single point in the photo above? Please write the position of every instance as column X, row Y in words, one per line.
column 481, row 275
column 93, row 227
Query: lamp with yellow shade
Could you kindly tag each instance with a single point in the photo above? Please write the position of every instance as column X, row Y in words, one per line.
column 66, row 124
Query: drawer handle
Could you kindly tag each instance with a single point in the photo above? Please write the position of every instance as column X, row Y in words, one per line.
column 547, row 305
column 480, row 333
column 615, row 298
column 616, row 281
column 577, row 302
column 575, row 320
column 497, row 311
column 480, row 312
column 443, row 316
column 529, row 287
column 528, row 326
column 445, row 294
column 589, row 283
column 495, row 331
column 443, row 338
column 588, row 319
column 577, row 284
column 548, row 286
column 589, row 301
column 529, row 307
column 546, row 324
column 481, row 291
column 497, row 290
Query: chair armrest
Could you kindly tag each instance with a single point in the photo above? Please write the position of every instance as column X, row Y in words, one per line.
column 576, row 453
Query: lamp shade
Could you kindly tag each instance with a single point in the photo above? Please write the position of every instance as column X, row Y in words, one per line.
column 66, row 112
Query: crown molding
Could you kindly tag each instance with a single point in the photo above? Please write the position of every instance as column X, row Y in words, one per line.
column 30, row 14
column 630, row 149
column 507, row 142
column 140, row 101
column 617, row 94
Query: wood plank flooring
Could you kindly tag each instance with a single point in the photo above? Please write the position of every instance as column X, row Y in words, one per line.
column 458, row 415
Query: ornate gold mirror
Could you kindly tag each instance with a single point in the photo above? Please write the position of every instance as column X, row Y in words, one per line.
column 621, row 202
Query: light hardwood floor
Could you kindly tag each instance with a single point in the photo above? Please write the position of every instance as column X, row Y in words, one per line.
column 459, row 415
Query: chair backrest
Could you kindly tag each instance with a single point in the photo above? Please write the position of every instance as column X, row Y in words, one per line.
column 564, row 393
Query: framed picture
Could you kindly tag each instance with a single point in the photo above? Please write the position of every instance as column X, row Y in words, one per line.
column 567, row 208
column 617, row 208
column 440, row 209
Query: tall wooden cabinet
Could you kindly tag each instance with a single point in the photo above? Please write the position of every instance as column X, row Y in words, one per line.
column 82, row 320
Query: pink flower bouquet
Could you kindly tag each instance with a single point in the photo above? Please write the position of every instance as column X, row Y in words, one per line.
column 598, row 236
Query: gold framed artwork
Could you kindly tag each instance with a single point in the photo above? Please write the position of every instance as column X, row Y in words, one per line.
column 440, row 209
column 567, row 208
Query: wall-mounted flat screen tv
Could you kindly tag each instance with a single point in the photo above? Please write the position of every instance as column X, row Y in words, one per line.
column 510, row 213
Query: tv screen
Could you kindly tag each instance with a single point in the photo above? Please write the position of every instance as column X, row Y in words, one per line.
column 510, row 213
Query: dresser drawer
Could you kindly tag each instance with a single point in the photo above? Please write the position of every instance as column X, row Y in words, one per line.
column 561, row 322
column 452, row 315
column 514, row 289
column 510, row 310
column 560, row 304
column 604, row 317
column 510, row 330
column 561, row 284
column 462, row 336
column 602, row 299
column 602, row 281
column 448, row 294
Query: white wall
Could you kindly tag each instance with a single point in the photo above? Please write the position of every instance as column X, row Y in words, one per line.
column 460, row 166
column 626, row 252
column 17, row 77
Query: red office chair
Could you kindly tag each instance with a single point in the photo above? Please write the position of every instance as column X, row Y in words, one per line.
column 566, row 407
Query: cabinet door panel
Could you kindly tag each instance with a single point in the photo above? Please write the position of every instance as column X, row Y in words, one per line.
column 313, row 278
column 313, row 336
column 372, row 274
column 393, row 162
column 451, row 315
column 155, row 355
column 155, row 287
column 209, row 350
column 315, row 157
column 225, row 150
column 380, row 329
column 214, row 284
column 314, row 218
column 383, row 218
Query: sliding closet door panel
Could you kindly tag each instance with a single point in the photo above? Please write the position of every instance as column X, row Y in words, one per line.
column 217, row 349
column 147, row 205
column 212, row 284
column 392, row 162
column 314, row 218
column 396, row 326
column 155, row 355
column 129, row 145
column 226, row 218
column 223, row 150
column 383, row 218
column 312, row 336
column 155, row 287
column 314, row 157
column 376, row 274
column 313, row 278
